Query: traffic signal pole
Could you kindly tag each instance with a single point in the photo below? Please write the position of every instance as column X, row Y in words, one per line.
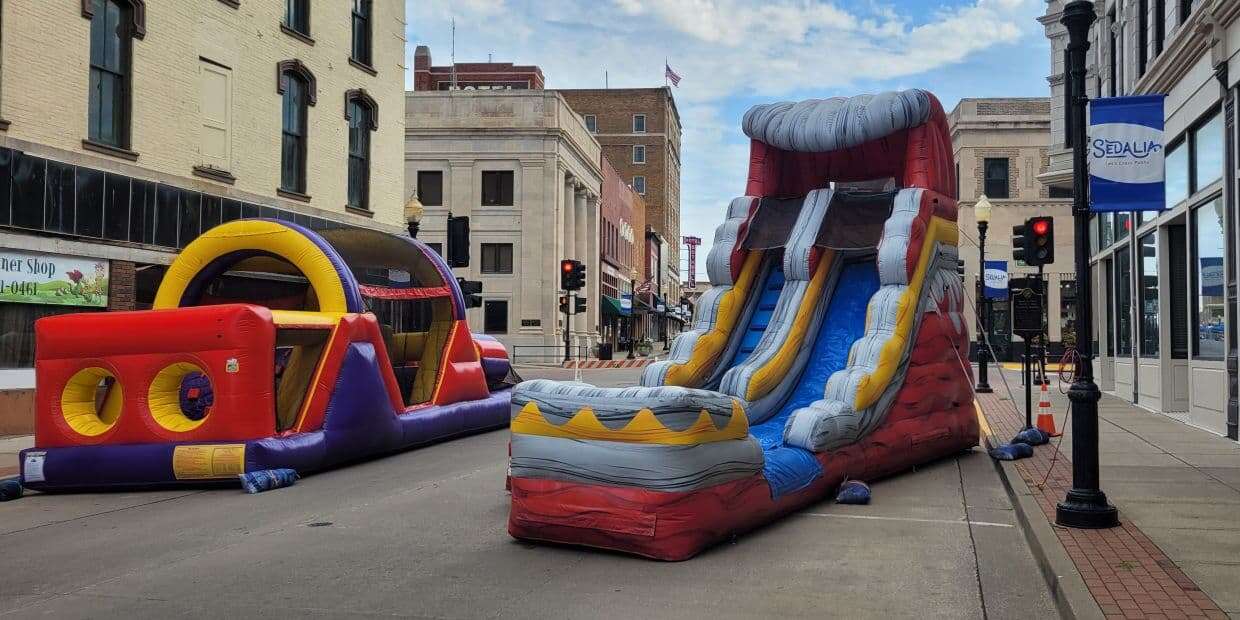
column 1085, row 505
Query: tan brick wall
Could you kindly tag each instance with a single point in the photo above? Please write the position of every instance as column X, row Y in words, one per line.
column 46, row 71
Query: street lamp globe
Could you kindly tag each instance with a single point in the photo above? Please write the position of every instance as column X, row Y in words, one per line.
column 981, row 210
column 413, row 214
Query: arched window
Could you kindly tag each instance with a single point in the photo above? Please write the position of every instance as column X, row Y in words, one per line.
column 297, row 85
column 362, row 113
column 113, row 26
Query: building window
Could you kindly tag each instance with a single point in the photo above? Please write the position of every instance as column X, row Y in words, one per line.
column 1123, row 302
column 361, row 111
column 110, row 68
column 591, row 123
column 996, row 171
column 1177, row 294
column 361, row 31
column 436, row 248
column 495, row 316
column 1143, row 35
column 1160, row 25
column 1177, row 174
column 1106, row 229
column 1067, row 311
column 215, row 110
column 1207, row 266
column 497, row 188
column 1186, row 10
column 430, row 188
column 639, row 185
column 497, row 258
column 1147, row 294
column 639, row 123
column 1123, row 225
column 639, row 153
column 1208, row 152
column 297, row 86
column 297, row 16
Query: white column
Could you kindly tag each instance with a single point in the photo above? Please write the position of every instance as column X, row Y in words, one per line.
column 570, row 211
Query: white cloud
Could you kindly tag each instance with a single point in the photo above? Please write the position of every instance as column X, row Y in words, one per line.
column 725, row 49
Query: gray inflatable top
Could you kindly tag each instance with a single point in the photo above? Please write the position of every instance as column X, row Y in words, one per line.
column 819, row 125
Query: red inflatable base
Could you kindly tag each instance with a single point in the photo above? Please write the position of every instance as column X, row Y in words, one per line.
column 677, row 526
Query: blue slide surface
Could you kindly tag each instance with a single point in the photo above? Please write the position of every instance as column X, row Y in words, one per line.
column 772, row 285
column 790, row 468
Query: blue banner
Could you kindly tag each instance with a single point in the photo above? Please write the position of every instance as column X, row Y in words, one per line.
column 1126, row 151
column 995, row 280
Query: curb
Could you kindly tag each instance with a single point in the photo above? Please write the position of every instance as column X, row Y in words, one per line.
column 1068, row 589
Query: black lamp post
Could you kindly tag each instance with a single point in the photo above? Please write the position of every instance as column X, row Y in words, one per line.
column 1085, row 505
column 981, row 212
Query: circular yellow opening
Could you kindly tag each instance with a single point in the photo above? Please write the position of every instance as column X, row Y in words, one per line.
column 91, row 401
column 165, row 398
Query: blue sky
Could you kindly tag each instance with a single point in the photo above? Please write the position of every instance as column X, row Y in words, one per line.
column 735, row 53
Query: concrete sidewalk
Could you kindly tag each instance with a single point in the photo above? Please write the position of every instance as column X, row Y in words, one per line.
column 1178, row 492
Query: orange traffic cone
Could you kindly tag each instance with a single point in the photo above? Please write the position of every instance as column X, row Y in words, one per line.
column 1046, row 419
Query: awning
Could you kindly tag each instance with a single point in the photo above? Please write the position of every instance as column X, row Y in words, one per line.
column 612, row 307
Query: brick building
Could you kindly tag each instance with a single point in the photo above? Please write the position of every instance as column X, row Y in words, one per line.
column 639, row 130
column 473, row 75
column 129, row 128
column 622, row 214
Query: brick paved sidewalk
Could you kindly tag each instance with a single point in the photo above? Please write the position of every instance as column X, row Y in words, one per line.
column 1127, row 574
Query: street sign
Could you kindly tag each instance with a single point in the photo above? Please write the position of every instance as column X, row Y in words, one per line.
column 1027, row 307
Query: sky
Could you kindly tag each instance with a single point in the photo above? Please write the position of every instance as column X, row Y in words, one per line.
column 733, row 54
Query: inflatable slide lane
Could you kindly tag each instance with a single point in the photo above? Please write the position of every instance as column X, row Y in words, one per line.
column 270, row 346
column 830, row 346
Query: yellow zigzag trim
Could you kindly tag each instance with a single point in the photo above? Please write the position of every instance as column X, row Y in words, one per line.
column 643, row 428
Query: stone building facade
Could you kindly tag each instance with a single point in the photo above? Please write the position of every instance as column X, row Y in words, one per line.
column 472, row 75
column 1165, row 282
column 1000, row 147
column 526, row 171
column 128, row 127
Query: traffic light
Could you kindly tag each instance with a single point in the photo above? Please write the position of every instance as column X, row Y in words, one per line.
column 472, row 291
column 1034, row 241
column 563, row 304
column 1020, row 233
column 572, row 275
column 960, row 269
column 1041, row 240
column 581, row 305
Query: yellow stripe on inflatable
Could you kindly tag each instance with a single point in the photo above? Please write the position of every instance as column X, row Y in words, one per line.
column 768, row 376
column 302, row 318
column 267, row 236
column 710, row 346
column 871, row 386
column 643, row 428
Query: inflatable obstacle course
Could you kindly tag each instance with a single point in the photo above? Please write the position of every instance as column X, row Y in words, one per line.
column 269, row 347
column 830, row 347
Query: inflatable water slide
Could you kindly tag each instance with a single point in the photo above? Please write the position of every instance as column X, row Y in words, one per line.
column 830, row 346
column 223, row 377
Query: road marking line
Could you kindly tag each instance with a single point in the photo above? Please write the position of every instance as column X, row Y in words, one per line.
column 914, row 520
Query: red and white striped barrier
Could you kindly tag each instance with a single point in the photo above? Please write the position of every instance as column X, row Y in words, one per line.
column 626, row 363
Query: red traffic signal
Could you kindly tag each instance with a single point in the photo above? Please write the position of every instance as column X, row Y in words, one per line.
column 572, row 275
column 1041, row 226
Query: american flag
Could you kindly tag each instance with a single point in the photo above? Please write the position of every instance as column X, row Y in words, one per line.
column 671, row 75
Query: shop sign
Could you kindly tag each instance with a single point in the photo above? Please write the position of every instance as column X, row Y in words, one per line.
column 996, row 280
column 54, row 279
column 1126, row 154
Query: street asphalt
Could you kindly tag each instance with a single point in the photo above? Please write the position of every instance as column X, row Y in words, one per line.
column 423, row 534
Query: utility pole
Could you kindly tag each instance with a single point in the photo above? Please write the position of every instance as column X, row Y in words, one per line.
column 1085, row 505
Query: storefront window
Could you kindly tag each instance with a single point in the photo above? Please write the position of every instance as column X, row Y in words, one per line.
column 1067, row 314
column 1123, row 225
column 1177, row 174
column 1123, row 302
column 1106, row 230
column 1208, row 146
column 1207, row 265
column 1147, row 293
column 1146, row 216
column 17, row 330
